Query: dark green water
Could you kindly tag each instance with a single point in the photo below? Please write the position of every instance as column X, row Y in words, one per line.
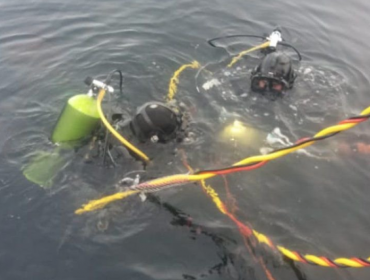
column 313, row 204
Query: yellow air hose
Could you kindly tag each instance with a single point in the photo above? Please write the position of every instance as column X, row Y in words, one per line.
column 241, row 54
column 126, row 143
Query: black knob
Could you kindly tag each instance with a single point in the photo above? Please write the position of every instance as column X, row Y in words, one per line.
column 88, row 81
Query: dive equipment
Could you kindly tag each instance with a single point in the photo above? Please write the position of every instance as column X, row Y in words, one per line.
column 45, row 166
column 78, row 119
column 80, row 116
column 156, row 120
column 102, row 88
column 239, row 133
column 274, row 74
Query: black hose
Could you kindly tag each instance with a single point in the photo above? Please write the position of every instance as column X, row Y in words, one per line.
column 290, row 46
column 109, row 79
column 105, row 147
column 210, row 42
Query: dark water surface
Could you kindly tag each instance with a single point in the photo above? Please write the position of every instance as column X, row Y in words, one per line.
column 314, row 204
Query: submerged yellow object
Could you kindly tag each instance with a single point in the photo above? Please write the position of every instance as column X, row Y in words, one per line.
column 238, row 132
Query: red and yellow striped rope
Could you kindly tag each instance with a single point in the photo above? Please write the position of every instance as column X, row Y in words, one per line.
column 158, row 184
column 243, row 165
column 254, row 161
column 293, row 255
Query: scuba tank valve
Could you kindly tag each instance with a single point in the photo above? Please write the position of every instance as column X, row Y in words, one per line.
column 274, row 38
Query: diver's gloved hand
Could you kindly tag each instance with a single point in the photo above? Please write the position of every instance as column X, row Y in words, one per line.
column 276, row 139
column 128, row 182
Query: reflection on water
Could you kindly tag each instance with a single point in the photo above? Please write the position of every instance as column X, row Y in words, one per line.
column 312, row 204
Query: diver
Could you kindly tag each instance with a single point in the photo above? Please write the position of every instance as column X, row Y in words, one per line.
column 158, row 122
column 84, row 129
column 274, row 75
column 153, row 122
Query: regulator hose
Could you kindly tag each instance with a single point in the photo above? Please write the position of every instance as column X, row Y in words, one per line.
column 210, row 41
column 116, row 134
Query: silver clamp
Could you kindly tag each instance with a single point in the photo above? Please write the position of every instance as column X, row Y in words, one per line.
column 274, row 38
column 97, row 85
column 100, row 84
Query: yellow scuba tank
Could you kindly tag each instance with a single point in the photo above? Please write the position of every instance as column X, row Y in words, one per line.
column 78, row 119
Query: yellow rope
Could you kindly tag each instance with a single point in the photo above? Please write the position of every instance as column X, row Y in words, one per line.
column 241, row 54
column 126, row 143
column 293, row 255
column 100, row 203
column 172, row 88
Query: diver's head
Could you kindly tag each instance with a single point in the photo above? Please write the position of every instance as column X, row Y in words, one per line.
column 156, row 121
column 274, row 74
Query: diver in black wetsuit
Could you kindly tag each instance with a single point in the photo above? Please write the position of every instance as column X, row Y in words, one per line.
column 158, row 122
column 275, row 74
column 153, row 122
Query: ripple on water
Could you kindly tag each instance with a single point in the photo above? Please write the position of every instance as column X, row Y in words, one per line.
column 48, row 48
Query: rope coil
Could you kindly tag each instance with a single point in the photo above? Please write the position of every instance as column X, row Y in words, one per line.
column 172, row 87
